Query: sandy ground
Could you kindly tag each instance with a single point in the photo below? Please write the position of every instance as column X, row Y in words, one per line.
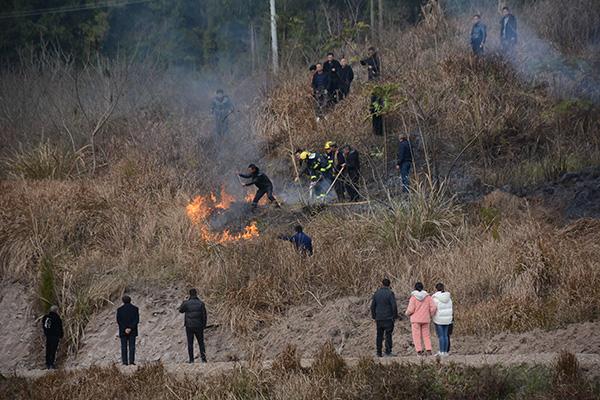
column 346, row 322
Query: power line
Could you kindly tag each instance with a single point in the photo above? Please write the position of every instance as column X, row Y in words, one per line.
column 68, row 9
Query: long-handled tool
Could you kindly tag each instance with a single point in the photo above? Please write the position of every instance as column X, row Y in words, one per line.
column 334, row 181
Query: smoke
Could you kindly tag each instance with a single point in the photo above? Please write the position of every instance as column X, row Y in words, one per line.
column 540, row 61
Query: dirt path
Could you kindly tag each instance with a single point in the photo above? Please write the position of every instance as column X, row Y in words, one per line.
column 589, row 363
column 345, row 322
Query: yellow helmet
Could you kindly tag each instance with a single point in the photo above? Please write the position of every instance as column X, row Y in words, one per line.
column 304, row 155
column 330, row 144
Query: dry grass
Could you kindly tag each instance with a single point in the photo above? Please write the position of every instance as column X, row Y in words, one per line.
column 121, row 222
column 365, row 381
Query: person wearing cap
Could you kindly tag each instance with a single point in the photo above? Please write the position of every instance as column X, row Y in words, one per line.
column 262, row 183
column 221, row 109
column 316, row 166
column 334, row 158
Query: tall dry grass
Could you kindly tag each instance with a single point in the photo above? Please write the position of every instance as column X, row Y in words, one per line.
column 121, row 221
column 328, row 378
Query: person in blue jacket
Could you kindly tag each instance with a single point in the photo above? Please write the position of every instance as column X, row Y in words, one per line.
column 478, row 35
column 302, row 242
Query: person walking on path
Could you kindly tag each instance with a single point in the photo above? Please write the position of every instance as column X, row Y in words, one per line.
column 420, row 309
column 53, row 331
column 195, row 323
column 404, row 161
column 128, row 318
column 384, row 312
column 442, row 318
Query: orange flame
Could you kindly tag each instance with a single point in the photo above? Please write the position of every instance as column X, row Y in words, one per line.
column 202, row 207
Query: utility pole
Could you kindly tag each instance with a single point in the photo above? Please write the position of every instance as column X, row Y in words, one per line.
column 274, row 45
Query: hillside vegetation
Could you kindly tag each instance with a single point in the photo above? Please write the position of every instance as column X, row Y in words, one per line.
column 100, row 161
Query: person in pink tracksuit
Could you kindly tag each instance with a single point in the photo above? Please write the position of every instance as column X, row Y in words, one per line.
column 420, row 310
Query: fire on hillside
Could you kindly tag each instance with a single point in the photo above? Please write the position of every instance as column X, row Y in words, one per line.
column 202, row 209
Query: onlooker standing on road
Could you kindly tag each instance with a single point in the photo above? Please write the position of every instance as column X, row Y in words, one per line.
column 128, row 318
column 384, row 312
column 420, row 309
column 404, row 161
column 442, row 318
column 195, row 323
column 53, row 330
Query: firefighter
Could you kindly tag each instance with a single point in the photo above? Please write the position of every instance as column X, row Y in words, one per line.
column 262, row 183
column 316, row 166
column 334, row 158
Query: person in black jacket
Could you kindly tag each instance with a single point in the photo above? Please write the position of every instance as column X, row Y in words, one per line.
column 262, row 182
column 195, row 323
column 373, row 64
column 53, row 330
column 333, row 67
column 128, row 318
column 508, row 32
column 478, row 35
column 346, row 76
column 404, row 161
column 384, row 312
column 350, row 164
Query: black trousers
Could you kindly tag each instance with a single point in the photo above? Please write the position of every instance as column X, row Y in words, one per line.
column 351, row 183
column 260, row 193
column 51, row 349
column 198, row 333
column 385, row 329
column 128, row 349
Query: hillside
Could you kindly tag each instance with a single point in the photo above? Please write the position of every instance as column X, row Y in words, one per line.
column 112, row 183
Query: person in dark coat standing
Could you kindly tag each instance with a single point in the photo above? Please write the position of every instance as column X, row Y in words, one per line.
column 128, row 318
column 404, row 161
column 384, row 312
column 333, row 67
column 508, row 32
column 350, row 164
column 195, row 323
column 346, row 76
column 320, row 85
column 262, row 183
column 478, row 35
column 373, row 64
column 375, row 108
column 53, row 331
column 301, row 241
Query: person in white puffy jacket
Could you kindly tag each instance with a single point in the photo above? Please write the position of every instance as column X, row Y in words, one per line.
column 442, row 318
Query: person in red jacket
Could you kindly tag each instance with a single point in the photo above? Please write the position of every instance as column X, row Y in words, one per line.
column 420, row 310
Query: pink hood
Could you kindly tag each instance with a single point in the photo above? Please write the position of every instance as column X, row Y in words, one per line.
column 420, row 307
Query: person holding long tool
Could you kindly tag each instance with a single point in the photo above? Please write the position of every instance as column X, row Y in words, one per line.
column 262, row 183
column 334, row 157
column 316, row 166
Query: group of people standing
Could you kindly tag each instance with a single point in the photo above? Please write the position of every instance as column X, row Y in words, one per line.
column 422, row 308
column 128, row 319
column 508, row 33
column 335, row 168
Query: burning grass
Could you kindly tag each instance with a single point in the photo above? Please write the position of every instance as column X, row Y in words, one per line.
column 202, row 208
